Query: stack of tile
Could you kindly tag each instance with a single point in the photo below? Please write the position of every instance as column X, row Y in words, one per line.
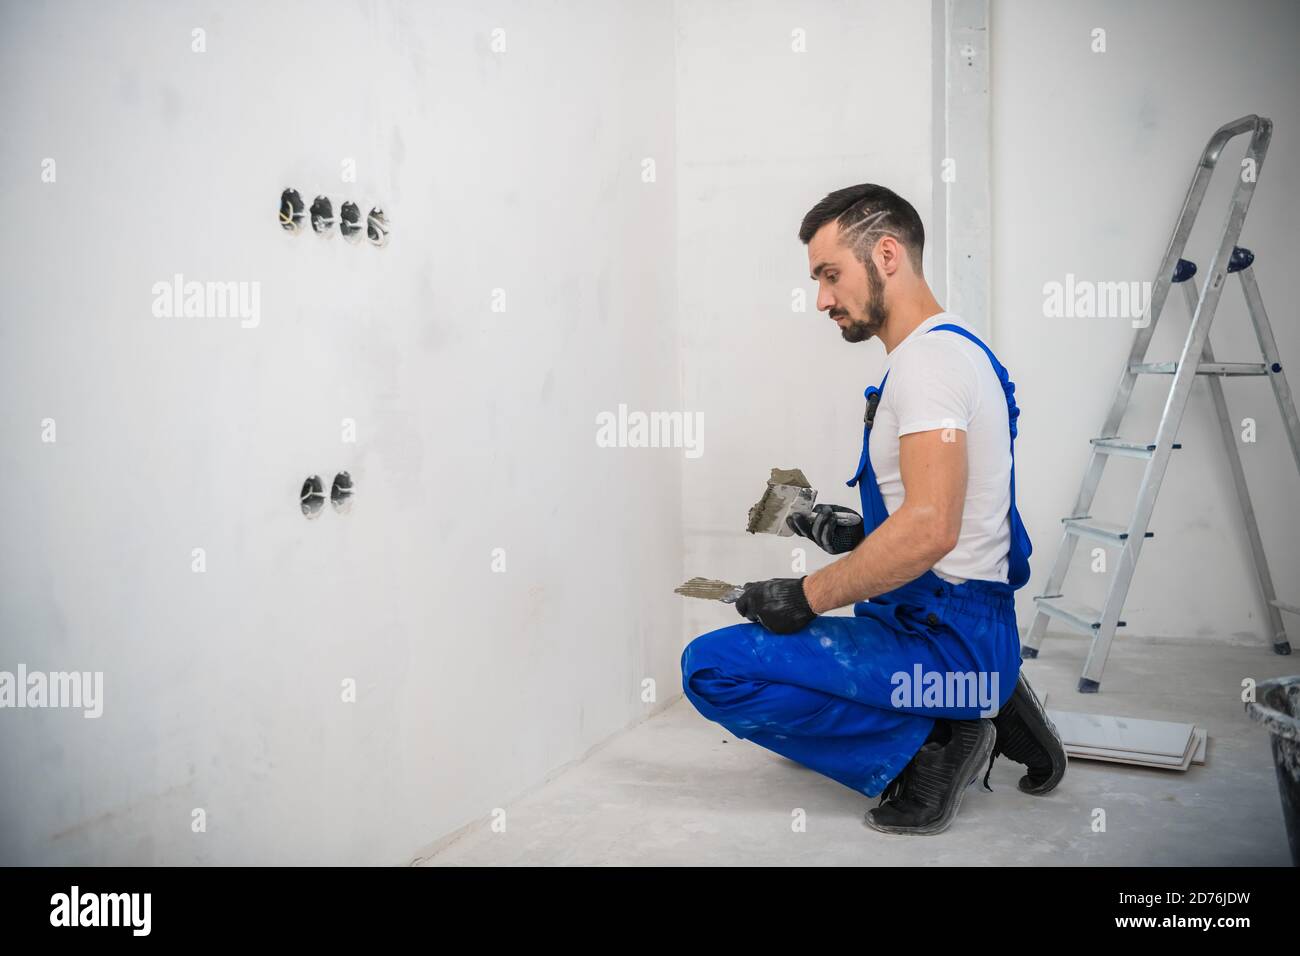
column 1130, row 740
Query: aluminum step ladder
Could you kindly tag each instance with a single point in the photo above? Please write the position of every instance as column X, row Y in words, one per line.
column 1197, row 359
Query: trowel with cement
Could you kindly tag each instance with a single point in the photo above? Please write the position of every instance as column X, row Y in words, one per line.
column 787, row 493
column 710, row 590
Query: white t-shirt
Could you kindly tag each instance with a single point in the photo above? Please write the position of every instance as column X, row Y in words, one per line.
column 944, row 380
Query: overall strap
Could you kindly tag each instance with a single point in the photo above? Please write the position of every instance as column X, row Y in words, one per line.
column 1008, row 386
column 873, row 507
column 1021, row 545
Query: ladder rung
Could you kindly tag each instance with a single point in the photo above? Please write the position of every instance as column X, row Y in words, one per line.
column 1205, row 368
column 1089, row 527
column 1079, row 616
column 1117, row 446
column 1277, row 602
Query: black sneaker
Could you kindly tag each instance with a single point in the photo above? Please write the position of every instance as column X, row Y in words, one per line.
column 1028, row 736
column 925, row 796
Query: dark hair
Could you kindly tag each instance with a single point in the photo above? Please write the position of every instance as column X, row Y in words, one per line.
column 873, row 211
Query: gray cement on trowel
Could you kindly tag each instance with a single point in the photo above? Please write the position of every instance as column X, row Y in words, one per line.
column 678, row 789
column 766, row 514
column 788, row 476
column 706, row 588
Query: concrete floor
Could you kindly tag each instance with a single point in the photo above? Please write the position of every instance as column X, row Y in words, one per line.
column 678, row 789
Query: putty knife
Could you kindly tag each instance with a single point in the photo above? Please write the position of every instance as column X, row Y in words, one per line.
column 787, row 493
column 710, row 590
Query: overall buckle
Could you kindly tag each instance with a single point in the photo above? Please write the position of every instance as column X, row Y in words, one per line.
column 873, row 400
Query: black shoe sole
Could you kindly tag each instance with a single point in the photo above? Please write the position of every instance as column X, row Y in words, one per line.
column 969, row 770
column 1045, row 733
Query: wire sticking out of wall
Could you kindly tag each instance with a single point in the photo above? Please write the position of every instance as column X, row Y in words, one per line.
column 341, row 493
column 350, row 221
column 291, row 211
column 377, row 227
column 312, row 496
column 322, row 216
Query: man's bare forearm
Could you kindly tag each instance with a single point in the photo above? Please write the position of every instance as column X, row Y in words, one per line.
column 900, row 550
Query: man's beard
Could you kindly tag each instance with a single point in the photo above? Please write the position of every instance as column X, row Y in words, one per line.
column 859, row 330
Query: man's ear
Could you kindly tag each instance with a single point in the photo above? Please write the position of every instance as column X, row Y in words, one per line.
column 888, row 255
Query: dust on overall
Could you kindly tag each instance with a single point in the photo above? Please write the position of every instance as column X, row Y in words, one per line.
column 830, row 696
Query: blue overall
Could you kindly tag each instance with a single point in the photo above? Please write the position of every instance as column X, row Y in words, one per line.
column 825, row 696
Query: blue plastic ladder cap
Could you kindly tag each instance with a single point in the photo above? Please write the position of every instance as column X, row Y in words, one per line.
column 1241, row 259
column 1184, row 270
column 1028, row 653
column 1087, row 686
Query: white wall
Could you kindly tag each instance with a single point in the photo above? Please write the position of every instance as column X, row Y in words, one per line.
column 475, row 429
column 1092, row 155
column 763, row 133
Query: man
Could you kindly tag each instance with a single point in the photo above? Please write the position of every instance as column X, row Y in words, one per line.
column 930, row 566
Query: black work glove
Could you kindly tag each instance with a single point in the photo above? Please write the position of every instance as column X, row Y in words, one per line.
column 778, row 604
column 834, row 529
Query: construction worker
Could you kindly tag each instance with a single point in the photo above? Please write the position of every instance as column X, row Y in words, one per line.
column 930, row 565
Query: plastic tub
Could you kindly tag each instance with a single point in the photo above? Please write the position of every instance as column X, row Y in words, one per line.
column 1277, row 707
